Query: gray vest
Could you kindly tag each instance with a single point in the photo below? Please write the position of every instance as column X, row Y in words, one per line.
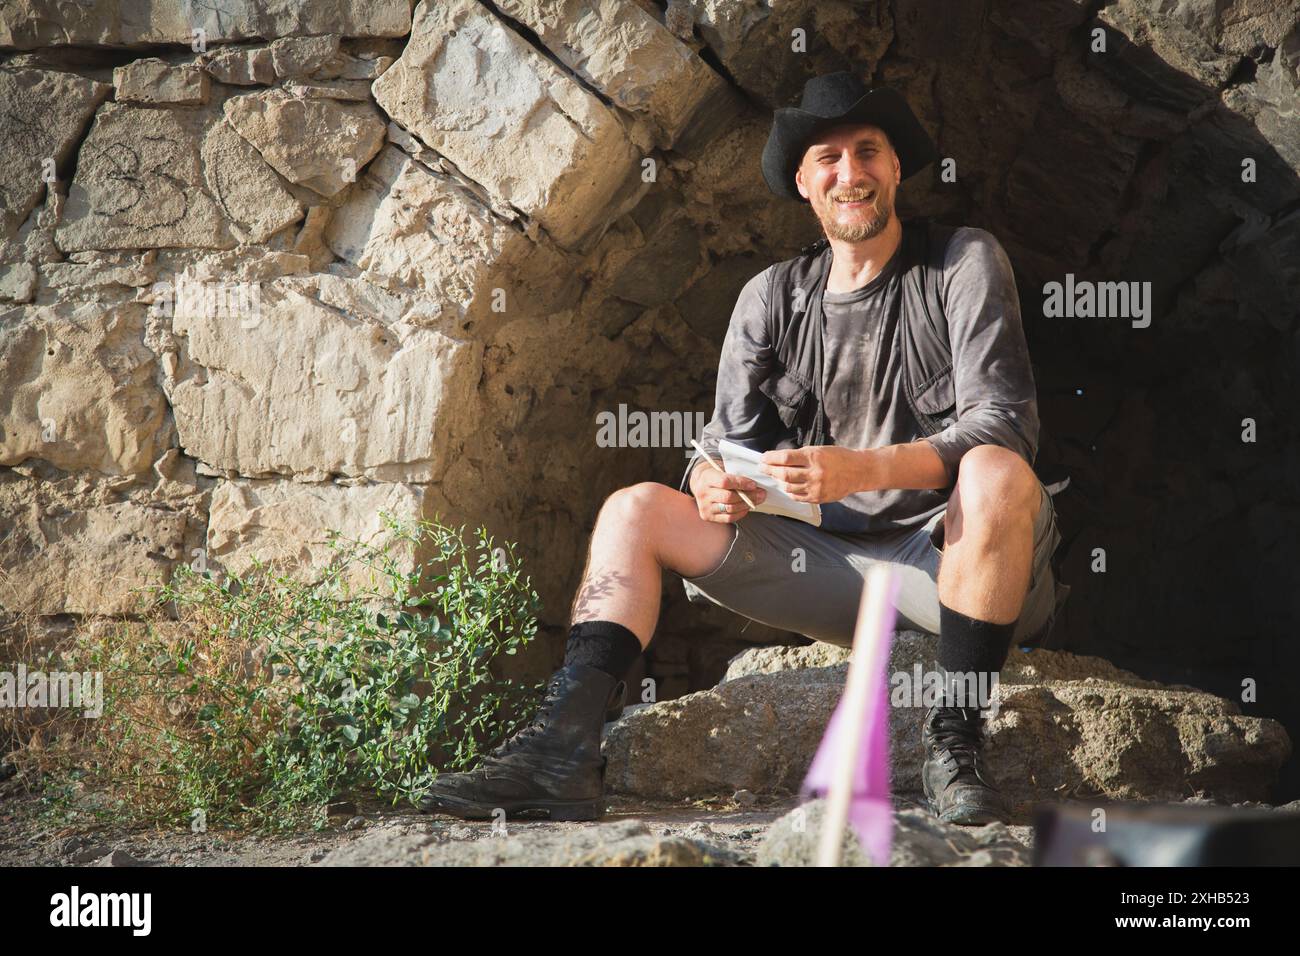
column 796, row 325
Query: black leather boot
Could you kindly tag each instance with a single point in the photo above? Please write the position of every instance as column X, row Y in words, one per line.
column 553, row 765
column 956, row 780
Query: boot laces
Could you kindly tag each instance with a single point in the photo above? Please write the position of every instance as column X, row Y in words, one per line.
column 538, row 722
column 955, row 729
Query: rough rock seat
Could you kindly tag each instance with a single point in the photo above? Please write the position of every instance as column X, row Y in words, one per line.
column 1066, row 727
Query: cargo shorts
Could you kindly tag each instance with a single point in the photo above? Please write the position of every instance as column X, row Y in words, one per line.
column 816, row 591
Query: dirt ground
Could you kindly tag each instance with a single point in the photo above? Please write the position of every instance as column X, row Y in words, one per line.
column 631, row 833
column 25, row 841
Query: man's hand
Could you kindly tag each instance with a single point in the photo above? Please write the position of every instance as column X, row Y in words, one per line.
column 713, row 488
column 821, row 473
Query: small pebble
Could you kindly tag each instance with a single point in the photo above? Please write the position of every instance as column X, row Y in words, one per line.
column 120, row 858
column 89, row 855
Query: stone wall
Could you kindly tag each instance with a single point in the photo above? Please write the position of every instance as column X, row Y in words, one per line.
column 474, row 226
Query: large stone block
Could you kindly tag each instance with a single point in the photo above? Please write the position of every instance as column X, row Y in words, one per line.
column 418, row 230
column 1163, row 55
column 254, row 203
column 318, row 143
column 660, row 270
column 919, row 839
column 409, row 224
column 79, row 389
column 241, row 66
column 300, row 387
column 628, row 55
column 511, row 120
column 83, row 545
column 303, row 56
column 18, row 282
column 28, row 24
column 1066, row 725
column 156, row 81
column 43, row 114
column 1270, row 102
column 286, row 522
column 170, row 178
column 755, row 40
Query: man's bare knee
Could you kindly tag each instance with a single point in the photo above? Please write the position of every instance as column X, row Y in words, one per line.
column 668, row 522
column 994, row 486
column 630, row 507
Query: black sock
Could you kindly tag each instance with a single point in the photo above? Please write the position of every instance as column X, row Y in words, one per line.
column 604, row 645
column 969, row 646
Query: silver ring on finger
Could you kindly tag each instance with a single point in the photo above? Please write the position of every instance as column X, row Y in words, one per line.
column 720, row 508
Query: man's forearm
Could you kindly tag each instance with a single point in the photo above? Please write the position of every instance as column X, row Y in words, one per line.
column 831, row 472
column 911, row 465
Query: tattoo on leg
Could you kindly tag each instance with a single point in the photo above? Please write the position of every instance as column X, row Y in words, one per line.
column 595, row 588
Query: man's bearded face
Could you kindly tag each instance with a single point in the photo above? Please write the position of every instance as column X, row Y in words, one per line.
column 849, row 174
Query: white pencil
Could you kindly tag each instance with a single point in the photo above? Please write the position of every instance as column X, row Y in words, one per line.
column 743, row 497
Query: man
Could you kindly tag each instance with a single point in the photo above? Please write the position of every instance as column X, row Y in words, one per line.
column 885, row 377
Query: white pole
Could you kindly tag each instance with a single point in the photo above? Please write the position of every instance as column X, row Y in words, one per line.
column 868, row 640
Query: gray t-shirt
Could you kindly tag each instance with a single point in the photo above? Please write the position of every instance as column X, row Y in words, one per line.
column 863, row 386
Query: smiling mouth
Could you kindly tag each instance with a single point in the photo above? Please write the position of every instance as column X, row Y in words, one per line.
column 860, row 201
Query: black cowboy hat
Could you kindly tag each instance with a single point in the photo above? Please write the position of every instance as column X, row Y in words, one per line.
column 829, row 101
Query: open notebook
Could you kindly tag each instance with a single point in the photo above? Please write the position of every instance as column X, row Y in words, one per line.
column 739, row 460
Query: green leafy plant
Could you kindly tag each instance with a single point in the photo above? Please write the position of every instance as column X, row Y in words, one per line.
column 261, row 697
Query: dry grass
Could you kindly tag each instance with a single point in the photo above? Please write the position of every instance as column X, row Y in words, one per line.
column 147, row 709
column 223, row 694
